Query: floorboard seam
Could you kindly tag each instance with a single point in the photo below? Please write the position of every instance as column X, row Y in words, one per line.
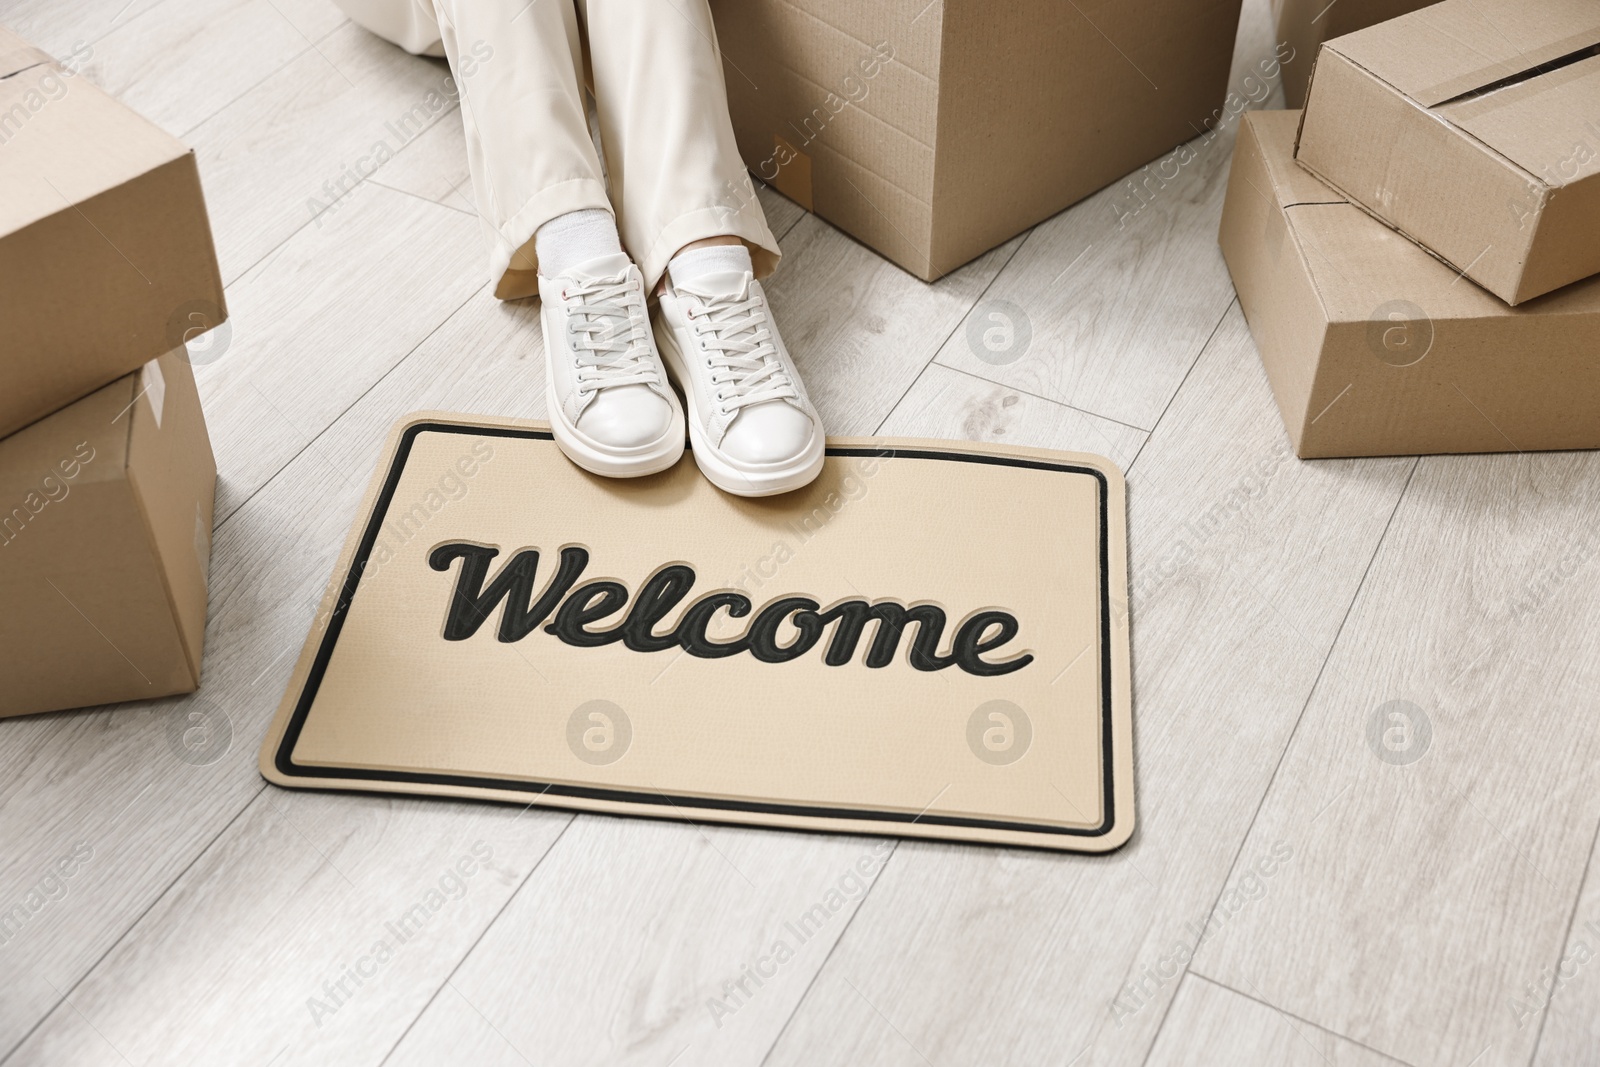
column 188, row 131
column 1311, row 693
column 778, row 1037
column 418, row 196
column 137, row 919
column 571, row 818
column 379, row 380
column 1566, row 939
column 137, row 16
column 366, row 180
column 787, row 230
column 1297, row 1018
column 934, row 355
column 253, row 86
column 1040, row 396
column 1193, row 363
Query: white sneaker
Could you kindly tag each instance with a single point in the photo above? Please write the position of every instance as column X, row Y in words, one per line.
column 752, row 428
column 611, row 409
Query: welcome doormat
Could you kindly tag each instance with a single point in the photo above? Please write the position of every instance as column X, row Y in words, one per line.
column 929, row 641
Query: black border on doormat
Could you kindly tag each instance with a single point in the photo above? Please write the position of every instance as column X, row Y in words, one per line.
column 688, row 804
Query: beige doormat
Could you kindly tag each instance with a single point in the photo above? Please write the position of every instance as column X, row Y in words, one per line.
column 929, row 641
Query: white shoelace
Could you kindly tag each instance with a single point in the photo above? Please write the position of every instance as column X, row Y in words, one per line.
column 744, row 362
column 608, row 339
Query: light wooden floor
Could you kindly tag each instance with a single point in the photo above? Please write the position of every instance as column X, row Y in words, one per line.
column 1354, row 910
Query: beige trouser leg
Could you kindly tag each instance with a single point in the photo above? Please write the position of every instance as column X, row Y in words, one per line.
column 675, row 172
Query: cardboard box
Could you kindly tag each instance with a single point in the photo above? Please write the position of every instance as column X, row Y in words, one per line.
column 1304, row 24
column 935, row 131
column 105, row 539
column 106, row 258
column 1373, row 347
column 1473, row 127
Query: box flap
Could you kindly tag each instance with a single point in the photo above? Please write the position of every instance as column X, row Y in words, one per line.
column 1549, row 125
column 173, row 475
column 1459, row 46
column 63, row 140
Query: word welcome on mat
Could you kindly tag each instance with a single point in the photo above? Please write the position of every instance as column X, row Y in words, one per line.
column 931, row 640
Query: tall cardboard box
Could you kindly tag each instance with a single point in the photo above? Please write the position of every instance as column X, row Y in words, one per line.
column 1473, row 127
column 105, row 540
column 1373, row 347
column 934, row 131
column 1304, row 24
column 106, row 258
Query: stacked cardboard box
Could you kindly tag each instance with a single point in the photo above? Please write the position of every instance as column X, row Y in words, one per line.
column 934, row 131
column 106, row 472
column 1417, row 251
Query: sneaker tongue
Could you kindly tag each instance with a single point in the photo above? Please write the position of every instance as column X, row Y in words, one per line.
column 718, row 283
column 600, row 268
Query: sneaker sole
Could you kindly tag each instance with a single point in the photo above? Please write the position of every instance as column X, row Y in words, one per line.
column 722, row 471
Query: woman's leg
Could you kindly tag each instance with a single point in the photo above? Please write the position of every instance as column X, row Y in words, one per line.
column 687, row 210
column 676, row 176
column 518, row 69
column 537, row 180
column 517, row 66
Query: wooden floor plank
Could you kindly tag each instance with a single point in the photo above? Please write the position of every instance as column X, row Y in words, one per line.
column 315, row 324
column 433, row 165
column 948, row 403
column 61, row 26
column 181, row 63
column 102, row 792
column 1116, row 295
column 119, row 780
column 1568, row 987
column 782, row 213
column 1210, row 1024
column 289, row 150
column 1077, row 288
column 1434, row 879
column 859, row 328
column 965, row 955
column 313, row 931
column 644, row 943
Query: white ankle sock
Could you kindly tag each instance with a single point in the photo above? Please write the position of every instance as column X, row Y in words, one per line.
column 685, row 267
column 574, row 238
